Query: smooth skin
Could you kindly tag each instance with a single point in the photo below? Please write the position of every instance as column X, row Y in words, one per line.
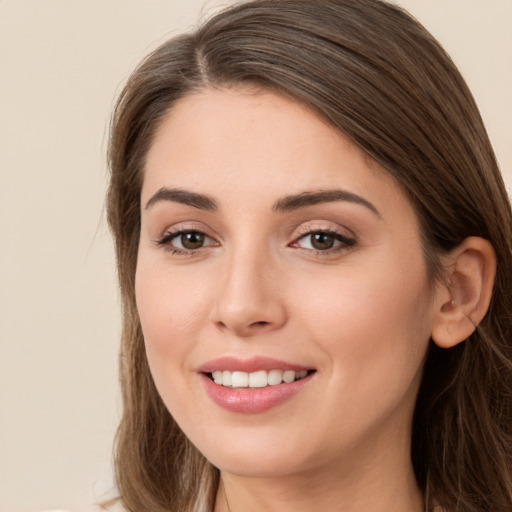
column 339, row 286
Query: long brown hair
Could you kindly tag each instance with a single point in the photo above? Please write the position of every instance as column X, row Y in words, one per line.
column 374, row 73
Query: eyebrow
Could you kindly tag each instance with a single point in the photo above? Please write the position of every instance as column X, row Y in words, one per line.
column 295, row 202
column 285, row 204
column 176, row 195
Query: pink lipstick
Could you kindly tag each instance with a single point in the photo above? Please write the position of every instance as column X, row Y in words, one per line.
column 253, row 385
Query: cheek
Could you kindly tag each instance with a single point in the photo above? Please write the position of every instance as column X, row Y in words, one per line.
column 171, row 310
column 374, row 327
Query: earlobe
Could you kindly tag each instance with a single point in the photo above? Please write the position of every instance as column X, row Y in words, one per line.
column 461, row 306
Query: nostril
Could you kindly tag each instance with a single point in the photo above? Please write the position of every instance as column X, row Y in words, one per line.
column 260, row 324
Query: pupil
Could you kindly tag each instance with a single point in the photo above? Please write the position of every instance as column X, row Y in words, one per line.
column 322, row 241
column 192, row 240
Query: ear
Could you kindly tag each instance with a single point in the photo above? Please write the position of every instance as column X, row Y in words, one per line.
column 462, row 304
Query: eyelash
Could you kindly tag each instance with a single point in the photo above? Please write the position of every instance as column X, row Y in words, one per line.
column 345, row 242
column 166, row 239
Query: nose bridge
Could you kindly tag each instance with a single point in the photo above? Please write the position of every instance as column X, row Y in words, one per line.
column 248, row 299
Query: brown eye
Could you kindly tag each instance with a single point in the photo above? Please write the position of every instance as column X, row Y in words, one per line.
column 322, row 241
column 192, row 240
column 185, row 241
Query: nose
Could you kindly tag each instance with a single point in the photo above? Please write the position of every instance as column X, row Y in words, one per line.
column 250, row 296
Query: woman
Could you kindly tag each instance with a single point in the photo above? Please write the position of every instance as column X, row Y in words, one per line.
column 314, row 251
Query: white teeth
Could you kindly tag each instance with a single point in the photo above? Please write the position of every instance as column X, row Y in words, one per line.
column 289, row 376
column 226, row 378
column 259, row 379
column 238, row 379
column 274, row 377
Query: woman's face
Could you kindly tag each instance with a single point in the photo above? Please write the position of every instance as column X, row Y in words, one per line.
column 271, row 245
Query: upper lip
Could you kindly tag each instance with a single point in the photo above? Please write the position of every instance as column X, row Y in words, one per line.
column 253, row 364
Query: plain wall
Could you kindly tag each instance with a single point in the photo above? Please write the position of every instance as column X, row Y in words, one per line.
column 61, row 64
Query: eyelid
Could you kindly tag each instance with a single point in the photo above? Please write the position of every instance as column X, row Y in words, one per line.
column 316, row 226
column 169, row 234
column 345, row 236
column 347, row 240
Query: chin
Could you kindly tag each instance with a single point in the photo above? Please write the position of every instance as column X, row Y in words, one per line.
column 258, row 458
column 258, row 466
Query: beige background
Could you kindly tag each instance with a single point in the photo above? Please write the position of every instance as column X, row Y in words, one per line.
column 61, row 62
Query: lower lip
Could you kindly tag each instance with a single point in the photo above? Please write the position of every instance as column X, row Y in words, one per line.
column 253, row 400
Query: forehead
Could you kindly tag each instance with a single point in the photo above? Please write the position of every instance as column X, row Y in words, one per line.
column 252, row 145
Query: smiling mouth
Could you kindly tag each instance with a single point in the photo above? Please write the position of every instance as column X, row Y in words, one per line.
column 258, row 379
